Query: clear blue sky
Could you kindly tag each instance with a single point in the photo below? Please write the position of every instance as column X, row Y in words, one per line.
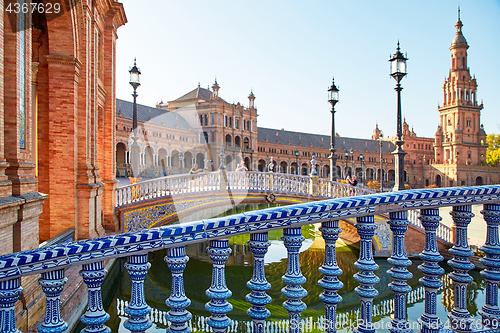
column 288, row 51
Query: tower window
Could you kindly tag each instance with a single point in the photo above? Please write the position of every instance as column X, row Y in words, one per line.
column 468, row 123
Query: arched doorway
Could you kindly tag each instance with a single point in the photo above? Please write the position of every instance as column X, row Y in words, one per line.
column 392, row 175
column 175, row 161
column 479, row 181
column 229, row 162
column 246, row 143
column 293, row 168
column 200, row 160
column 188, row 160
column 248, row 163
column 149, row 156
column 262, row 165
column 237, row 141
column 121, row 160
column 228, row 140
column 283, row 166
column 326, row 171
column 120, row 153
column 162, row 156
column 237, row 160
column 304, row 169
column 438, row 180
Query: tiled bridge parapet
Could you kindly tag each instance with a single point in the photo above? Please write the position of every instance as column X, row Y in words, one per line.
column 90, row 253
column 156, row 202
column 162, row 200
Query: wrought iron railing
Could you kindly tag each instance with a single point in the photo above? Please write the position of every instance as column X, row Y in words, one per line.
column 51, row 264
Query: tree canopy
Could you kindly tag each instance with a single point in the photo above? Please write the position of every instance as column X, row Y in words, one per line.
column 493, row 150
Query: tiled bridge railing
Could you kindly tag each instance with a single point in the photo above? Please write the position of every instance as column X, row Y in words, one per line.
column 181, row 185
column 221, row 181
column 51, row 263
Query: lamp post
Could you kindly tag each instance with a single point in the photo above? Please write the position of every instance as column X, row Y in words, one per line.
column 346, row 158
column 135, row 83
column 381, row 165
column 398, row 72
column 333, row 98
column 361, row 158
column 297, row 162
column 353, row 172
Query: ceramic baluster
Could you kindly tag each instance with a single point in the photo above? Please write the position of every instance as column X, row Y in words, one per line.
column 52, row 285
column 138, row 310
column 293, row 291
column 178, row 302
column 330, row 283
column 366, row 276
column 258, row 298
column 218, row 306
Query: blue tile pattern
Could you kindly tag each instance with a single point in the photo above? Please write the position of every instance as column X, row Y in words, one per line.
column 80, row 252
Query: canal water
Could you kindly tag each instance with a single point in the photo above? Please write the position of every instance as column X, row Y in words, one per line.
column 198, row 273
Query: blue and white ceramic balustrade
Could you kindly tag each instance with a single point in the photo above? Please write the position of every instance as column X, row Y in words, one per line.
column 51, row 262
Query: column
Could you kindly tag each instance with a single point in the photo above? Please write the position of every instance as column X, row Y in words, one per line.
column 366, row 276
column 258, row 298
column 137, row 267
column 52, row 285
column 93, row 275
column 178, row 302
column 399, row 273
column 490, row 312
column 460, row 318
column 330, row 283
column 293, row 291
column 218, row 306
column 429, row 320
column 9, row 294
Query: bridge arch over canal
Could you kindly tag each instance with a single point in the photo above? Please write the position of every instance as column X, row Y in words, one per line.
column 164, row 200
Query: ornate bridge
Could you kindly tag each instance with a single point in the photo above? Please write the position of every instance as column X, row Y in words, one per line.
column 52, row 262
column 162, row 200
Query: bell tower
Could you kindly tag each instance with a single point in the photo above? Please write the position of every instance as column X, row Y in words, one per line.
column 461, row 138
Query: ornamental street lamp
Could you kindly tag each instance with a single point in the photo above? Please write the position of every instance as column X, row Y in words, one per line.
column 381, row 165
column 297, row 162
column 135, row 83
column 398, row 72
column 361, row 158
column 333, row 98
column 353, row 172
column 346, row 158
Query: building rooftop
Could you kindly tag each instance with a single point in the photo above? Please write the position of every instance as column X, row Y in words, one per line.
column 155, row 116
column 322, row 141
column 197, row 93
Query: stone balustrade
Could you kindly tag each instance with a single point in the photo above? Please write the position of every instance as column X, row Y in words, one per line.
column 248, row 181
column 51, row 262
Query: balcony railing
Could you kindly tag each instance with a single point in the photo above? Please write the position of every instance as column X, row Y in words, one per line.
column 51, row 264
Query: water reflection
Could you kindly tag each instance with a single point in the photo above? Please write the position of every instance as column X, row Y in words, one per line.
column 198, row 274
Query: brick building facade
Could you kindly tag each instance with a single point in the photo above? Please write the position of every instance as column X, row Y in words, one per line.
column 455, row 156
column 57, row 104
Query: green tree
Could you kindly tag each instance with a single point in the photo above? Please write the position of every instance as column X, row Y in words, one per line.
column 493, row 150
